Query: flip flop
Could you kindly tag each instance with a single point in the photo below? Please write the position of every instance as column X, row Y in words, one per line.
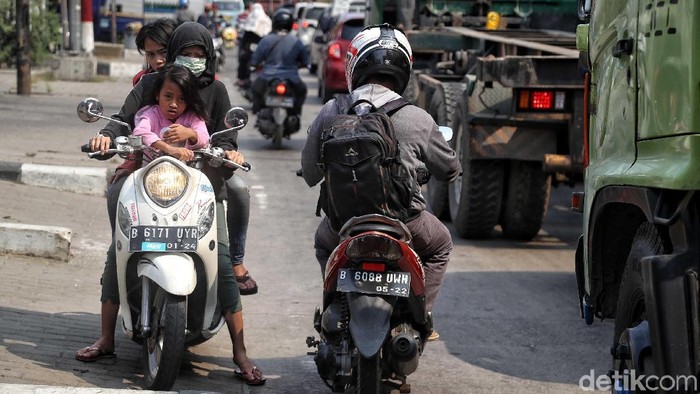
column 93, row 353
column 249, row 377
column 246, row 284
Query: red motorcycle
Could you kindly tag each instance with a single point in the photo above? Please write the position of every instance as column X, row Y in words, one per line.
column 373, row 325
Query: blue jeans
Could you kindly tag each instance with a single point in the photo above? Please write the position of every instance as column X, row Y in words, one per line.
column 237, row 216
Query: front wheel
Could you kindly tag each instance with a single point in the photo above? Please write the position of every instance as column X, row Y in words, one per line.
column 369, row 375
column 630, row 314
column 164, row 349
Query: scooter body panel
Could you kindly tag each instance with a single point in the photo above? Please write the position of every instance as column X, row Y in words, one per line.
column 196, row 204
column 173, row 272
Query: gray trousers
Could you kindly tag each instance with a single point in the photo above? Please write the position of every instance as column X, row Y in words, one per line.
column 431, row 242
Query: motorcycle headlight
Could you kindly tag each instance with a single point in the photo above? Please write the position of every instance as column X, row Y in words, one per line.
column 206, row 219
column 165, row 183
column 123, row 219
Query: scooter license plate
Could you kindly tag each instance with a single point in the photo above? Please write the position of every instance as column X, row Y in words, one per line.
column 162, row 239
column 383, row 283
column 279, row 101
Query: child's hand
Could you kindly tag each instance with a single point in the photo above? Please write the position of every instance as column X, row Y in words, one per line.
column 183, row 154
column 178, row 133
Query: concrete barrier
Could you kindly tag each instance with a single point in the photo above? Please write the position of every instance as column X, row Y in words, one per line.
column 32, row 240
column 84, row 180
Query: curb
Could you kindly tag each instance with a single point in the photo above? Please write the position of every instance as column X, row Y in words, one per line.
column 83, row 180
column 41, row 389
column 47, row 241
column 41, row 241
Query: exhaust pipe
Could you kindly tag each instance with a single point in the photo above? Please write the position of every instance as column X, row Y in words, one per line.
column 403, row 354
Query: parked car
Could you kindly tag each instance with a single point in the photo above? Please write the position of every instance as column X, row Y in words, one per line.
column 326, row 21
column 306, row 24
column 332, row 73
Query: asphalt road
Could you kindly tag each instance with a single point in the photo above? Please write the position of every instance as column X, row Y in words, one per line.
column 507, row 313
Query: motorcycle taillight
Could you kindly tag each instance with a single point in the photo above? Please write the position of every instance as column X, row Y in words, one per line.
column 373, row 247
column 281, row 89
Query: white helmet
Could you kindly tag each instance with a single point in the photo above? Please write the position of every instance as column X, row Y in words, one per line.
column 379, row 50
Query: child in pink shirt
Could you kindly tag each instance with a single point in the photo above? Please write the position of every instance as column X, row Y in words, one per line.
column 174, row 121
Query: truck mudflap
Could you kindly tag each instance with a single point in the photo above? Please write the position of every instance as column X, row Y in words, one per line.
column 672, row 300
column 501, row 137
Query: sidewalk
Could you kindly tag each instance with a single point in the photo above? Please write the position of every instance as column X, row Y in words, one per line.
column 27, row 162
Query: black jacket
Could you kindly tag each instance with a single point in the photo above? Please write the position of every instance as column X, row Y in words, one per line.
column 213, row 93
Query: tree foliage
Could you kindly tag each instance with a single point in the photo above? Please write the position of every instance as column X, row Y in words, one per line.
column 44, row 31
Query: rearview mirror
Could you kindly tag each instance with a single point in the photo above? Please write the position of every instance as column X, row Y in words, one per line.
column 236, row 118
column 90, row 110
column 584, row 10
column 446, row 132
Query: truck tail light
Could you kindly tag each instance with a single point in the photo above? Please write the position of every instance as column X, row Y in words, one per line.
column 541, row 100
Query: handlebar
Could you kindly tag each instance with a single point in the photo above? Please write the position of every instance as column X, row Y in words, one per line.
column 215, row 156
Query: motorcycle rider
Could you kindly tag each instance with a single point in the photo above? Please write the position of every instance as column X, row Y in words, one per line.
column 377, row 67
column 280, row 54
column 152, row 42
column 192, row 47
column 257, row 26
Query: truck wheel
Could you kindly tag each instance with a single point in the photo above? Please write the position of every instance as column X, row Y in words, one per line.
column 631, row 308
column 526, row 200
column 442, row 108
column 475, row 197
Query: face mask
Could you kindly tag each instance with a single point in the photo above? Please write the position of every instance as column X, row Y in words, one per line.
column 196, row 65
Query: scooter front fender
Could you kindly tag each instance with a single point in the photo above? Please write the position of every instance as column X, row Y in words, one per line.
column 173, row 272
column 370, row 316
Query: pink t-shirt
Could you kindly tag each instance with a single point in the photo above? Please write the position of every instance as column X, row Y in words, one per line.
column 150, row 121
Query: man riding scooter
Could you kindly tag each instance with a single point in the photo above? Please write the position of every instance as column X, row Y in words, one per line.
column 280, row 54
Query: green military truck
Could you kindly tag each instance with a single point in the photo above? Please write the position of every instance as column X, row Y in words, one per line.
column 513, row 97
column 638, row 258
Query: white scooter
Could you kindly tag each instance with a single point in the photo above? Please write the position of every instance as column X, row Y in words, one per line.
column 166, row 246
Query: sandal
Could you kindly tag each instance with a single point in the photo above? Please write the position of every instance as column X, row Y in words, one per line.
column 93, row 353
column 246, row 284
column 253, row 378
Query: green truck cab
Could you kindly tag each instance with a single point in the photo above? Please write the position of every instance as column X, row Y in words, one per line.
column 638, row 258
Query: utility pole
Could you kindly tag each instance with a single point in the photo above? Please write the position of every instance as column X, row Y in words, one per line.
column 87, row 35
column 24, row 71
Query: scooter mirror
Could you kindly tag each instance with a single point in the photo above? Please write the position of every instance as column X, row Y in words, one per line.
column 236, row 118
column 90, row 110
column 446, row 132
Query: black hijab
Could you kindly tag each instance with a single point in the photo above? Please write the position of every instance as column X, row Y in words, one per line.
column 190, row 34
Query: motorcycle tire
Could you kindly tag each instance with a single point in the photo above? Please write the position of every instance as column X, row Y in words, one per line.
column 164, row 349
column 369, row 375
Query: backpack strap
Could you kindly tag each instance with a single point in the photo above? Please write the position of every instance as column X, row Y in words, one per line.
column 394, row 105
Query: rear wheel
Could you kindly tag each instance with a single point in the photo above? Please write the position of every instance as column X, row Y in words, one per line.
column 526, row 200
column 475, row 197
column 442, row 108
column 369, row 375
column 630, row 314
column 277, row 137
column 164, row 349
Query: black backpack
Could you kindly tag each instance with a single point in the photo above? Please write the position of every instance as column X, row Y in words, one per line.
column 362, row 165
